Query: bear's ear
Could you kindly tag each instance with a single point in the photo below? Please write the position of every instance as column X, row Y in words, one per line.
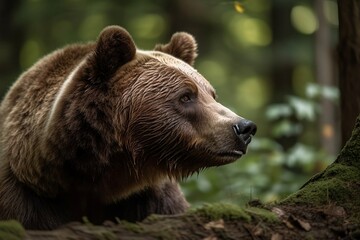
column 114, row 48
column 182, row 45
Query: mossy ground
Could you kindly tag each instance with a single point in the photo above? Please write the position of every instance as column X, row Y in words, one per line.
column 212, row 221
column 11, row 230
column 222, row 211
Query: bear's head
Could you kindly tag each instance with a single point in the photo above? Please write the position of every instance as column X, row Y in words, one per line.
column 167, row 111
column 148, row 110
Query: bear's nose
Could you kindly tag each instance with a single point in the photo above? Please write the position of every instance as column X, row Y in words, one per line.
column 245, row 129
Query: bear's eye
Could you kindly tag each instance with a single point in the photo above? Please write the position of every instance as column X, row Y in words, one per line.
column 185, row 98
column 214, row 96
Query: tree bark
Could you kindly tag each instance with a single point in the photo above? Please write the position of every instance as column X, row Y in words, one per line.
column 324, row 62
column 349, row 64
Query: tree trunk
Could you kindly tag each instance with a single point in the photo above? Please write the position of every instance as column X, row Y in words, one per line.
column 349, row 64
column 324, row 63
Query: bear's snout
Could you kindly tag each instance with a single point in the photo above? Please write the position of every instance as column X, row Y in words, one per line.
column 244, row 130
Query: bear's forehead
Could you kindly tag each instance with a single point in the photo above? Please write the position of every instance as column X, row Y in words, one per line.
column 181, row 66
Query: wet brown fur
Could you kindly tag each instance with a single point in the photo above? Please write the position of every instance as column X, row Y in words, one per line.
column 110, row 142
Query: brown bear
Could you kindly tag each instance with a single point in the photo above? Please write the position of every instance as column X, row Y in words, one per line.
column 106, row 130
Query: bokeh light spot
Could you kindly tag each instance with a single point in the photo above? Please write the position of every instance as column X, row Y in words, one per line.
column 149, row 26
column 250, row 31
column 303, row 19
column 213, row 71
column 252, row 93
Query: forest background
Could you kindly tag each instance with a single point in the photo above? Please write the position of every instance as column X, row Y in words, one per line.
column 271, row 61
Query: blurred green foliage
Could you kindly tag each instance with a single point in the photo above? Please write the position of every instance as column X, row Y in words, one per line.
column 260, row 61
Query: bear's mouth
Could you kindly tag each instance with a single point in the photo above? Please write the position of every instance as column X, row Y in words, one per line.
column 234, row 154
column 226, row 157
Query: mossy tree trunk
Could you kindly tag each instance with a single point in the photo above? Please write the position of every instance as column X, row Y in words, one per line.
column 338, row 184
column 349, row 64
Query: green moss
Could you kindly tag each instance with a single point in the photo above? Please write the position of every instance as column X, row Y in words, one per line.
column 349, row 155
column 11, row 230
column 343, row 172
column 162, row 227
column 262, row 213
column 331, row 186
column 338, row 184
column 133, row 227
column 320, row 192
column 224, row 211
column 152, row 218
column 105, row 235
column 99, row 232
